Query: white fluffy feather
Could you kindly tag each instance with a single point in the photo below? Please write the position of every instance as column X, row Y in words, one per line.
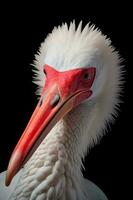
column 64, row 49
column 68, row 48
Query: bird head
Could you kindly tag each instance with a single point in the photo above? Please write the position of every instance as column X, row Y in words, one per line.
column 73, row 66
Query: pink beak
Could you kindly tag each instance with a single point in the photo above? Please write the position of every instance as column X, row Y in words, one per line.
column 56, row 101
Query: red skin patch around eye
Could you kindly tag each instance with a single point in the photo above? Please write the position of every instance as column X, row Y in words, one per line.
column 70, row 81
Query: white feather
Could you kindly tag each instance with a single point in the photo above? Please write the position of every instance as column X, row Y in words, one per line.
column 59, row 157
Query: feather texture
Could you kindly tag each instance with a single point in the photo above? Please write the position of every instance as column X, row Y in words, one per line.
column 68, row 48
column 54, row 170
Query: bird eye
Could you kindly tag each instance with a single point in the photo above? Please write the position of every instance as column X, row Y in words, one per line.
column 44, row 72
column 86, row 76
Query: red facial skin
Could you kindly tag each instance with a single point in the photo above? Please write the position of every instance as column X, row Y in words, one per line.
column 70, row 82
column 61, row 93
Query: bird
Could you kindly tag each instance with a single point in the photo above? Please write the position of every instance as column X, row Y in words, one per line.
column 78, row 73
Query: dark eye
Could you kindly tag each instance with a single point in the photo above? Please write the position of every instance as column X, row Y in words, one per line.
column 86, row 76
column 45, row 72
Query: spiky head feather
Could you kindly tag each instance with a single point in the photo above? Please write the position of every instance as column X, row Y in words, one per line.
column 68, row 47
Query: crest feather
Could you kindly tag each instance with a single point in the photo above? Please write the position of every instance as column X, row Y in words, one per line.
column 67, row 48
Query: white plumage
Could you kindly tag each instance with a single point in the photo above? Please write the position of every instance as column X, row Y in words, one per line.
column 54, row 170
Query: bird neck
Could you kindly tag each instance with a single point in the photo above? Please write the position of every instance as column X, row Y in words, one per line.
column 56, row 165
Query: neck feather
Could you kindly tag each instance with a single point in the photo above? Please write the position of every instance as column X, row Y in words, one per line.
column 55, row 167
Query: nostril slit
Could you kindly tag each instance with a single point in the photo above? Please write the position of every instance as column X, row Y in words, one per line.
column 55, row 100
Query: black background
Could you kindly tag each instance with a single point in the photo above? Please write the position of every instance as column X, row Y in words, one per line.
column 23, row 28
